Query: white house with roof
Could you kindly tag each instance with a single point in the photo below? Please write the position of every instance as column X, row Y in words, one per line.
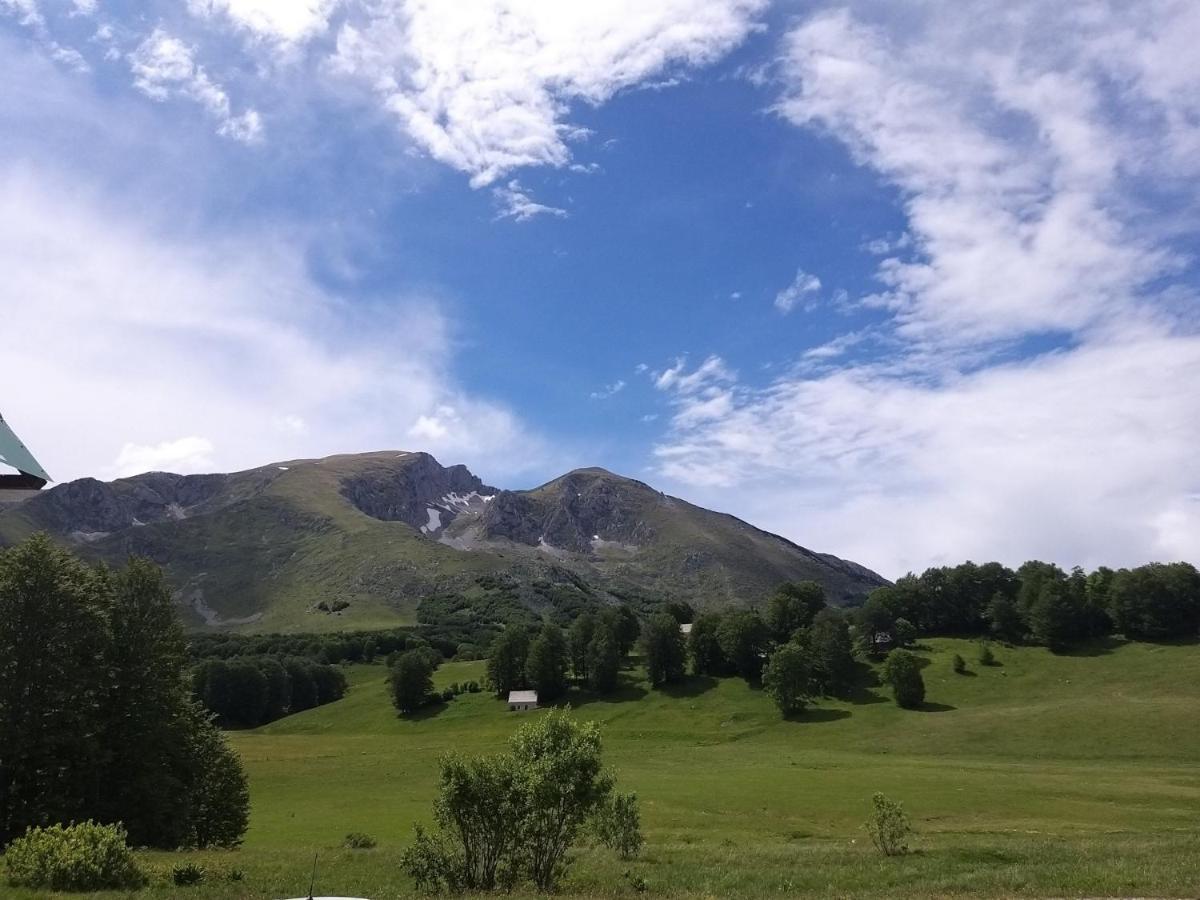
column 685, row 629
column 519, row 701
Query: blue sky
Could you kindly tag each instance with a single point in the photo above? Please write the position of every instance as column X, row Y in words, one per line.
column 909, row 284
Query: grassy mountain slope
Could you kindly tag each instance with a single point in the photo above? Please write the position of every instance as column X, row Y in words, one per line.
column 259, row 550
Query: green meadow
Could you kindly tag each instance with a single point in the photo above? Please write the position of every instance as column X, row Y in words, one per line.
column 1071, row 775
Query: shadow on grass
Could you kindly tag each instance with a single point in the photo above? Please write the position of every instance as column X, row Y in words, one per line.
column 426, row 712
column 816, row 714
column 626, row 692
column 860, row 692
column 692, row 686
column 967, row 673
column 935, row 707
column 1098, row 647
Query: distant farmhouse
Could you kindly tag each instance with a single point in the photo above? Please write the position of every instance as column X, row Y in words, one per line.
column 520, row 701
column 685, row 629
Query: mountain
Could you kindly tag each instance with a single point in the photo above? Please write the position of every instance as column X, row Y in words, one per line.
column 357, row 541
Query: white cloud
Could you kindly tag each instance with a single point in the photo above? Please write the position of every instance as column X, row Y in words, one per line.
column 29, row 15
column 609, row 390
column 803, row 288
column 134, row 339
column 1012, row 150
column 287, row 21
column 184, row 456
column 1086, row 457
column 1030, row 143
column 164, row 66
column 516, row 204
column 485, row 85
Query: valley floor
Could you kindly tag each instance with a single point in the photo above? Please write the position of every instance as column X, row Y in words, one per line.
column 1075, row 775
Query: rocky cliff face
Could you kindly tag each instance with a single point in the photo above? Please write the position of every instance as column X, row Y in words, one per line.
column 420, row 493
column 573, row 512
column 88, row 507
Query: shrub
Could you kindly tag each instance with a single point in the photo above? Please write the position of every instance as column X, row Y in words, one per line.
column 187, row 874
column 986, row 657
column 447, row 695
column 960, row 664
column 235, row 875
column 902, row 671
column 454, row 687
column 83, row 857
column 888, row 826
column 618, row 824
column 357, row 840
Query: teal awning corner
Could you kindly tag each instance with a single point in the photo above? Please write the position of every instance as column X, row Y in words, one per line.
column 15, row 454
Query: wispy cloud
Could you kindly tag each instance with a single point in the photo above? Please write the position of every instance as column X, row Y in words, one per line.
column 516, row 204
column 165, row 67
column 608, row 391
column 1021, row 137
column 803, row 289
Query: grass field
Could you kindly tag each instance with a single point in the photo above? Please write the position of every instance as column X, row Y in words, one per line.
column 1046, row 775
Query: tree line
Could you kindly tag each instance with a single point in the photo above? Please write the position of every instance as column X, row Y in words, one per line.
column 330, row 649
column 250, row 691
column 1041, row 603
column 96, row 715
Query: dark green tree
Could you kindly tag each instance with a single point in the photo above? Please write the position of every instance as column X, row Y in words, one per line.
column 247, row 700
column 146, row 771
column 704, row 646
column 624, row 625
column 664, row 650
column 902, row 672
column 788, row 678
column 1004, row 619
column 793, row 606
column 743, row 638
column 1054, row 618
column 54, row 680
column 580, row 636
column 411, row 681
column 1156, row 602
column 218, row 808
column 832, row 652
column 603, row 661
column 506, row 660
column 279, row 689
column 304, row 688
column 546, row 664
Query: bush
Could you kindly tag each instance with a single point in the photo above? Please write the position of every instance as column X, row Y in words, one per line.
column 960, row 664
column 986, row 657
column 888, row 826
column 902, row 670
column 447, row 695
column 618, row 824
column 357, row 840
column 84, row 857
column 187, row 874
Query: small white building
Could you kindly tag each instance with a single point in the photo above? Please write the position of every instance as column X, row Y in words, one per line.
column 685, row 629
column 519, row 701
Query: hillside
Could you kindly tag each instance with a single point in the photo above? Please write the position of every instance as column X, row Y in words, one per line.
column 1044, row 776
column 377, row 532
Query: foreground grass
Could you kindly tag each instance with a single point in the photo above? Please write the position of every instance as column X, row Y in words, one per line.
column 1043, row 776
